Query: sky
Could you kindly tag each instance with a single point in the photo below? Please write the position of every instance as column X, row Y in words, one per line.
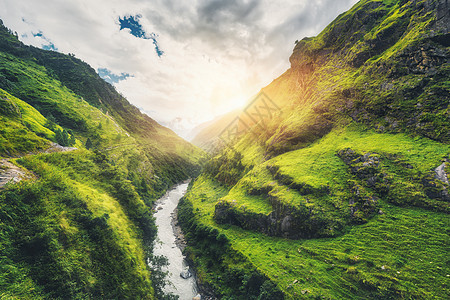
column 181, row 62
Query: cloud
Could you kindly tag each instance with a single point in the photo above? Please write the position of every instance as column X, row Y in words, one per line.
column 110, row 77
column 132, row 23
column 217, row 54
column 46, row 44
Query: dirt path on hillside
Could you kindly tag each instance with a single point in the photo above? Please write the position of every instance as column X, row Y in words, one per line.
column 10, row 173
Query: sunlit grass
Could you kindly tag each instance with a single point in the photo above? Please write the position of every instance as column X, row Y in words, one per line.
column 399, row 253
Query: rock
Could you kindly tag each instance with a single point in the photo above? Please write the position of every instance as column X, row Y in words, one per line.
column 185, row 274
column 10, row 173
column 286, row 224
column 437, row 184
column 58, row 148
column 441, row 174
column 347, row 155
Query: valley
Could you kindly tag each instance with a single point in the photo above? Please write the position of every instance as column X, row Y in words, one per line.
column 331, row 183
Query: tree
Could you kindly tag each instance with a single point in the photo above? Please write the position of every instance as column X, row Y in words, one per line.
column 71, row 138
column 59, row 137
column 62, row 137
column 51, row 122
column 88, row 144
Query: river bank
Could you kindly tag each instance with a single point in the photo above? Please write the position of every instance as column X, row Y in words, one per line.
column 180, row 241
column 170, row 242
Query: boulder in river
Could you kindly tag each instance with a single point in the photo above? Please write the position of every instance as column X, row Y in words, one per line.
column 185, row 274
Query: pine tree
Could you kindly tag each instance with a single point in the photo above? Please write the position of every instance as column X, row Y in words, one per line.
column 71, row 141
column 65, row 138
column 88, row 144
column 58, row 137
column 51, row 122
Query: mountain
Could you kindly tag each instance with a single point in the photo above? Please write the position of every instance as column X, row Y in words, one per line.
column 206, row 134
column 80, row 169
column 333, row 181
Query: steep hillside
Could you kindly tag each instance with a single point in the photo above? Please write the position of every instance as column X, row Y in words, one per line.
column 79, row 223
column 320, row 197
column 91, row 105
column 206, row 135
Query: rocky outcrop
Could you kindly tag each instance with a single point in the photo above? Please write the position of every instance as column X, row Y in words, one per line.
column 441, row 25
column 298, row 221
column 10, row 173
column 429, row 190
column 363, row 204
column 441, row 173
column 436, row 183
column 285, row 220
column 366, row 168
column 228, row 212
column 424, row 59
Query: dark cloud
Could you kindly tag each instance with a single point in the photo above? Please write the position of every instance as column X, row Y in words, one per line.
column 218, row 12
column 249, row 25
column 219, row 23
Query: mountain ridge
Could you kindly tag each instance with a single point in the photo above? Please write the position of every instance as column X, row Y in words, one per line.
column 81, row 226
column 306, row 201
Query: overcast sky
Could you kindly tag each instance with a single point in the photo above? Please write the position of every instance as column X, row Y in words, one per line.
column 181, row 62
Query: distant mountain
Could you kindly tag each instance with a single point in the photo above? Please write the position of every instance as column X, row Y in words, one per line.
column 335, row 184
column 79, row 223
column 206, row 134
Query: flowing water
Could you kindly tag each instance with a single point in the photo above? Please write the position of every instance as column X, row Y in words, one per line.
column 165, row 245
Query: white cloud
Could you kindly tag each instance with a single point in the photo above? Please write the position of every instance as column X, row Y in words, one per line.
column 217, row 53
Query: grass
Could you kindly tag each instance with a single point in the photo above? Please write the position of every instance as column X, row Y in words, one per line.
column 408, row 242
column 318, row 163
column 64, row 216
column 352, row 265
column 22, row 127
column 400, row 253
column 82, row 227
column 377, row 221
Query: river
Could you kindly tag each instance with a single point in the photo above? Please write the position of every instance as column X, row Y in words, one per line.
column 165, row 245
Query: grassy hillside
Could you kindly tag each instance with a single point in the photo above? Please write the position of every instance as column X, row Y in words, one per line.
column 80, row 224
column 206, row 135
column 69, row 92
column 79, row 230
column 324, row 198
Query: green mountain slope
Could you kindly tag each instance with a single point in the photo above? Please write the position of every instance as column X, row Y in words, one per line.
column 79, row 223
column 91, row 107
column 322, row 200
column 206, row 134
